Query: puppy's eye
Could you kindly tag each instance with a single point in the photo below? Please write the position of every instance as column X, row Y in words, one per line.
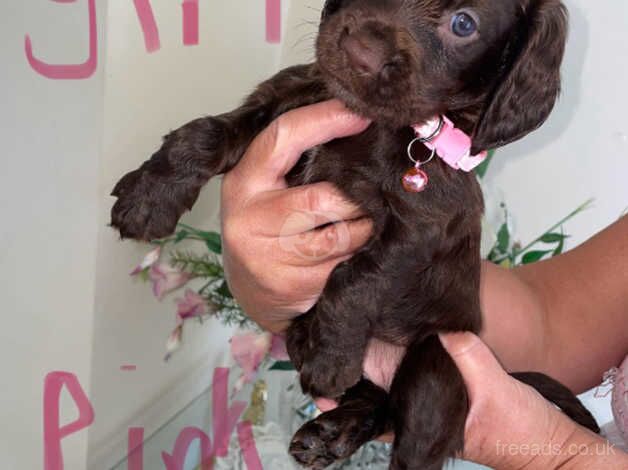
column 463, row 24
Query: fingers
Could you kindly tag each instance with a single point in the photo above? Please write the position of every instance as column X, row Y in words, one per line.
column 325, row 404
column 300, row 209
column 474, row 359
column 335, row 241
column 278, row 148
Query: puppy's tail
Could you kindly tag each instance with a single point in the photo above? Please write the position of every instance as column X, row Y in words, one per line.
column 561, row 396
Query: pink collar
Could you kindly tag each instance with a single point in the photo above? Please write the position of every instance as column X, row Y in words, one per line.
column 452, row 145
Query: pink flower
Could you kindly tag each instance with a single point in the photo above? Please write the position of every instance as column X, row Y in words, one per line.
column 174, row 340
column 191, row 305
column 166, row 279
column 249, row 350
column 151, row 258
column 278, row 349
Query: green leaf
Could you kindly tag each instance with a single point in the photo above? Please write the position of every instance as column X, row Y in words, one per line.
column 283, row 366
column 212, row 239
column 503, row 238
column 181, row 235
column 483, row 168
column 494, row 256
column 534, row 256
column 553, row 237
column 224, row 291
column 559, row 249
column 213, row 242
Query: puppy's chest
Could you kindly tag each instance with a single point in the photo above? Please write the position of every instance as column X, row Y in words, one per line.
column 365, row 167
column 369, row 168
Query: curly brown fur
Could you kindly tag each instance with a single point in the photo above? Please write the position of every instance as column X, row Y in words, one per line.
column 398, row 63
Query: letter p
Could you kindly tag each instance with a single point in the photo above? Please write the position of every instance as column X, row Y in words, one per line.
column 53, row 431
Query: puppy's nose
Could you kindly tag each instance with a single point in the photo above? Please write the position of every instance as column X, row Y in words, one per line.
column 366, row 53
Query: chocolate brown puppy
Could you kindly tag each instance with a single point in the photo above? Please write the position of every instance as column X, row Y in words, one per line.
column 493, row 68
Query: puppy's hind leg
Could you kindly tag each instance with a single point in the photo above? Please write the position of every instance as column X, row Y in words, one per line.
column 361, row 416
column 429, row 405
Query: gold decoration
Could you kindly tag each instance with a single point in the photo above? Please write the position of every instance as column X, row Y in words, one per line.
column 257, row 410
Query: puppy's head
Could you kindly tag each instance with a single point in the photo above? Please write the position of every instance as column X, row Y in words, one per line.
column 493, row 64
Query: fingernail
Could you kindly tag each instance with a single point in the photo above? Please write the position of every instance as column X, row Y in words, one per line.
column 347, row 115
column 458, row 343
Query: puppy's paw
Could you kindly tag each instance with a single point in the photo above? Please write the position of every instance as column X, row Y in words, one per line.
column 329, row 375
column 150, row 205
column 333, row 436
column 310, row 449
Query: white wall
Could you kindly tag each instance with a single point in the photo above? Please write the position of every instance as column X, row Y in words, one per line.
column 582, row 151
column 49, row 203
column 147, row 95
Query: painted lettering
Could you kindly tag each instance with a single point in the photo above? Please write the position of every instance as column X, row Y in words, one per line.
column 273, row 21
column 247, row 444
column 53, row 431
column 190, row 22
column 148, row 24
column 176, row 461
column 135, row 453
column 68, row 71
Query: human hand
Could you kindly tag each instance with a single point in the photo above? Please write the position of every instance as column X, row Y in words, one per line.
column 510, row 425
column 276, row 260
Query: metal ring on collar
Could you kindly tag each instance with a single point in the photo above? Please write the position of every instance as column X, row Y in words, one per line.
column 441, row 123
column 419, row 163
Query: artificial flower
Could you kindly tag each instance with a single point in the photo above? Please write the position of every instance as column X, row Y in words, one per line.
column 191, row 305
column 249, row 350
column 278, row 348
column 166, row 279
column 174, row 340
column 149, row 260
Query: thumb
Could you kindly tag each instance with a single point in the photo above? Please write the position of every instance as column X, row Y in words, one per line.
column 476, row 362
column 274, row 152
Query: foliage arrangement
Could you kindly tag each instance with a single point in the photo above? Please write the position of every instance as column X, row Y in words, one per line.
column 508, row 252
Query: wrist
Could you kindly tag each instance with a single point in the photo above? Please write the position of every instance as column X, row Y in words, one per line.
column 571, row 447
column 583, row 449
column 550, row 441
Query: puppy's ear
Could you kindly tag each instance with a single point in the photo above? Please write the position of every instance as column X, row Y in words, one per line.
column 526, row 94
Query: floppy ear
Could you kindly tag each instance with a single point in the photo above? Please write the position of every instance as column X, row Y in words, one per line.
column 526, row 94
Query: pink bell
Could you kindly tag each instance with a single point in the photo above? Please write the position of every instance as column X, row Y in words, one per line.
column 415, row 180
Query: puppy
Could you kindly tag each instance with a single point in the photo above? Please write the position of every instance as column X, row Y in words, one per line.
column 492, row 68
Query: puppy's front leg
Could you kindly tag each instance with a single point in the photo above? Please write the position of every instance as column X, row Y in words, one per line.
column 328, row 344
column 152, row 198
